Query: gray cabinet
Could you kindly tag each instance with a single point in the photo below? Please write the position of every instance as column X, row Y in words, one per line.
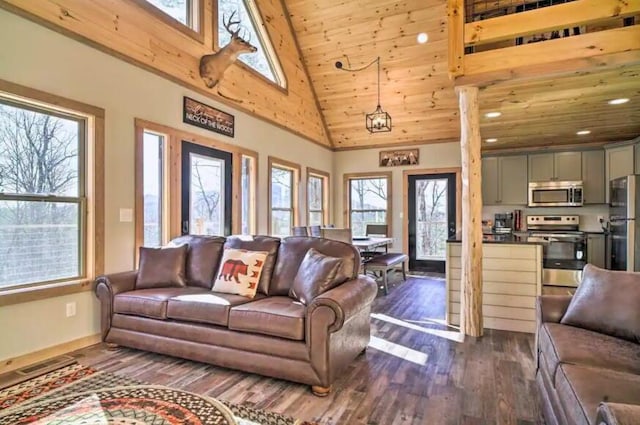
column 561, row 166
column 637, row 158
column 504, row 180
column 593, row 177
column 596, row 250
column 619, row 163
column 567, row 166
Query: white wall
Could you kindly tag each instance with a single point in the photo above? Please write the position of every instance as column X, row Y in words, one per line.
column 37, row 57
column 440, row 155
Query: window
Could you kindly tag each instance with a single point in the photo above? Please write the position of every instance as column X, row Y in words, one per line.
column 283, row 196
column 369, row 199
column 42, row 195
column 152, row 186
column 183, row 11
column 317, row 197
column 248, row 195
column 264, row 60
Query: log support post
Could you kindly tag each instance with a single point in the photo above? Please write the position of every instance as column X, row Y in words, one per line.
column 471, row 279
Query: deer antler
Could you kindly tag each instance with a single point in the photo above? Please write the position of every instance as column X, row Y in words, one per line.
column 228, row 23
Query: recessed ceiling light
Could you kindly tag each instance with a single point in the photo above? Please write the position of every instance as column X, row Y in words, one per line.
column 618, row 101
column 494, row 114
column 423, row 38
column 492, row 140
column 583, row 132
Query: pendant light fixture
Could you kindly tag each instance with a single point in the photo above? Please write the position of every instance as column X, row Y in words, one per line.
column 378, row 121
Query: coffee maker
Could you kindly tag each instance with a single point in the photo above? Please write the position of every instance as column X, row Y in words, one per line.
column 503, row 223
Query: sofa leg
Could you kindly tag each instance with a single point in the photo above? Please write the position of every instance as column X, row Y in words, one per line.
column 320, row 391
column 112, row 346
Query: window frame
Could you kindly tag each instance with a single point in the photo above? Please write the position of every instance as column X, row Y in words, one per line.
column 325, row 201
column 253, row 194
column 348, row 178
column 194, row 28
column 90, row 197
column 295, row 191
column 270, row 52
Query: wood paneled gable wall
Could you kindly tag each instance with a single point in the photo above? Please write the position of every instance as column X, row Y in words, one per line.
column 129, row 30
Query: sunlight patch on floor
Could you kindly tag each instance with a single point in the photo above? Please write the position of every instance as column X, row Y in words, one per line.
column 398, row 350
column 450, row 335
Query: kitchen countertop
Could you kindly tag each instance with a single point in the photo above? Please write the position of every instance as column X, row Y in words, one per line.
column 513, row 240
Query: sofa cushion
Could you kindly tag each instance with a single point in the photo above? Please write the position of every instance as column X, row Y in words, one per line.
column 205, row 307
column 580, row 390
column 149, row 302
column 607, row 302
column 203, row 257
column 258, row 243
column 162, row 267
column 240, row 271
column 292, row 252
column 316, row 275
column 566, row 344
column 275, row 316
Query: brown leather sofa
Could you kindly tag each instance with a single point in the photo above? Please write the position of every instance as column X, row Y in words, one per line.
column 585, row 377
column 271, row 334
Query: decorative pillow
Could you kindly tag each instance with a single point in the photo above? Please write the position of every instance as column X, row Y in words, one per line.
column 203, row 256
column 239, row 272
column 606, row 302
column 161, row 267
column 317, row 274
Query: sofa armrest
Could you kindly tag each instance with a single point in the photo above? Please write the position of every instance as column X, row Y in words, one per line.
column 107, row 287
column 346, row 300
column 618, row 414
column 551, row 308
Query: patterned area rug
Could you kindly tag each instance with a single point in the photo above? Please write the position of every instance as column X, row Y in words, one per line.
column 81, row 395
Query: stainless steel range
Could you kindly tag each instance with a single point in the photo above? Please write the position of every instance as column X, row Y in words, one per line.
column 564, row 247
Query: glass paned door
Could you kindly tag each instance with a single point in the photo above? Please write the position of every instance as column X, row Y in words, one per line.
column 206, row 191
column 432, row 220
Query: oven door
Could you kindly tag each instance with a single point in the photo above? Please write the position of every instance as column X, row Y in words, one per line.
column 564, row 251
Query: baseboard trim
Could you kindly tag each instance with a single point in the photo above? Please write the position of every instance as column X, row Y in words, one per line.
column 13, row 363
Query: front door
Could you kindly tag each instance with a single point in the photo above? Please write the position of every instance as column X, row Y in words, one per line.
column 432, row 220
column 206, row 190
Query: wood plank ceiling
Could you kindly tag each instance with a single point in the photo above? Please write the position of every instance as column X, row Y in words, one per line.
column 416, row 90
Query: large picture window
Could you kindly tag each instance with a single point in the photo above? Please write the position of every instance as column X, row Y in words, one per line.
column 369, row 199
column 317, row 197
column 283, row 196
column 183, row 11
column 42, row 195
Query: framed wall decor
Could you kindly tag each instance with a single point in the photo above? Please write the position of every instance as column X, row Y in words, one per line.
column 400, row 157
column 207, row 117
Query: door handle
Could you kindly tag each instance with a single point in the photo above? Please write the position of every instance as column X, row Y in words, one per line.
column 185, row 227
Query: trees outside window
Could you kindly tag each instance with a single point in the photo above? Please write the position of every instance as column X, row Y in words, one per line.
column 42, row 195
column 431, row 219
column 368, row 202
column 181, row 10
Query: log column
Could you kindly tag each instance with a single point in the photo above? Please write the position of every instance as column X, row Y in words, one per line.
column 471, row 279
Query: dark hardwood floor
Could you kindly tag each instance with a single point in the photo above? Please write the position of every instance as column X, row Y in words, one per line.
column 416, row 372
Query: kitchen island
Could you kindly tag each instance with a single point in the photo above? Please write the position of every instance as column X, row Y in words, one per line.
column 512, row 279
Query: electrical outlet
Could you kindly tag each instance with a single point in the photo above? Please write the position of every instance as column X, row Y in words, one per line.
column 601, row 219
column 71, row 309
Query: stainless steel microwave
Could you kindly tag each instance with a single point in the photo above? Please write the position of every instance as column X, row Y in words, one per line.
column 555, row 194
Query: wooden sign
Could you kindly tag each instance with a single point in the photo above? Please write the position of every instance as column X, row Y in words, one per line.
column 207, row 117
column 400, row 157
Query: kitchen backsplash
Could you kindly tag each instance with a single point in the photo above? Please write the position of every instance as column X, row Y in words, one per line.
column 588, row 214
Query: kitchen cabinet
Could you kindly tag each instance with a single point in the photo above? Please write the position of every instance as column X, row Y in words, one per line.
column 560, row 166
column 504, row 180
column 593, row 177
column 596, row 250
column 637, row 148
column 619, row 163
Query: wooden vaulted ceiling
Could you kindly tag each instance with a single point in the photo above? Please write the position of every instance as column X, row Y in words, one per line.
column 420, row 97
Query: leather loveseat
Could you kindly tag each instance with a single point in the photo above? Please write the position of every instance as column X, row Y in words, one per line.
column 591, row 375
column 271, row 334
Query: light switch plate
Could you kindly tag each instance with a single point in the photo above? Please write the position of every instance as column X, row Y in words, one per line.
column 126, row 215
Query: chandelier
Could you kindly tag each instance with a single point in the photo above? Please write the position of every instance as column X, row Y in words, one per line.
column 378, row 121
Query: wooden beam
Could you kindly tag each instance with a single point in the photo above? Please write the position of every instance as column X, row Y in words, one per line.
column 548, row 52
column 471, row 279
column 567, row 15
column 455, row 19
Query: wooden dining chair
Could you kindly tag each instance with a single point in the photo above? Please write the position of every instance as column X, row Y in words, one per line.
column 342, row 235
column 315, row 231
column 300, row 231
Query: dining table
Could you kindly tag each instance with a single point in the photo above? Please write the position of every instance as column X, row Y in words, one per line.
column 371, row 243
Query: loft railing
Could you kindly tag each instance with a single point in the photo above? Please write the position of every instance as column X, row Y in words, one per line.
column 503, row 39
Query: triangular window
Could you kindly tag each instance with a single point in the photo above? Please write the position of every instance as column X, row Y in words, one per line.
column 264, row 60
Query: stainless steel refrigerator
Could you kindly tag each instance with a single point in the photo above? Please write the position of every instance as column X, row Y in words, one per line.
column 624, row 219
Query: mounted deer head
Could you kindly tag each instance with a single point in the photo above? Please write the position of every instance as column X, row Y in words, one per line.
column 212, row 67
